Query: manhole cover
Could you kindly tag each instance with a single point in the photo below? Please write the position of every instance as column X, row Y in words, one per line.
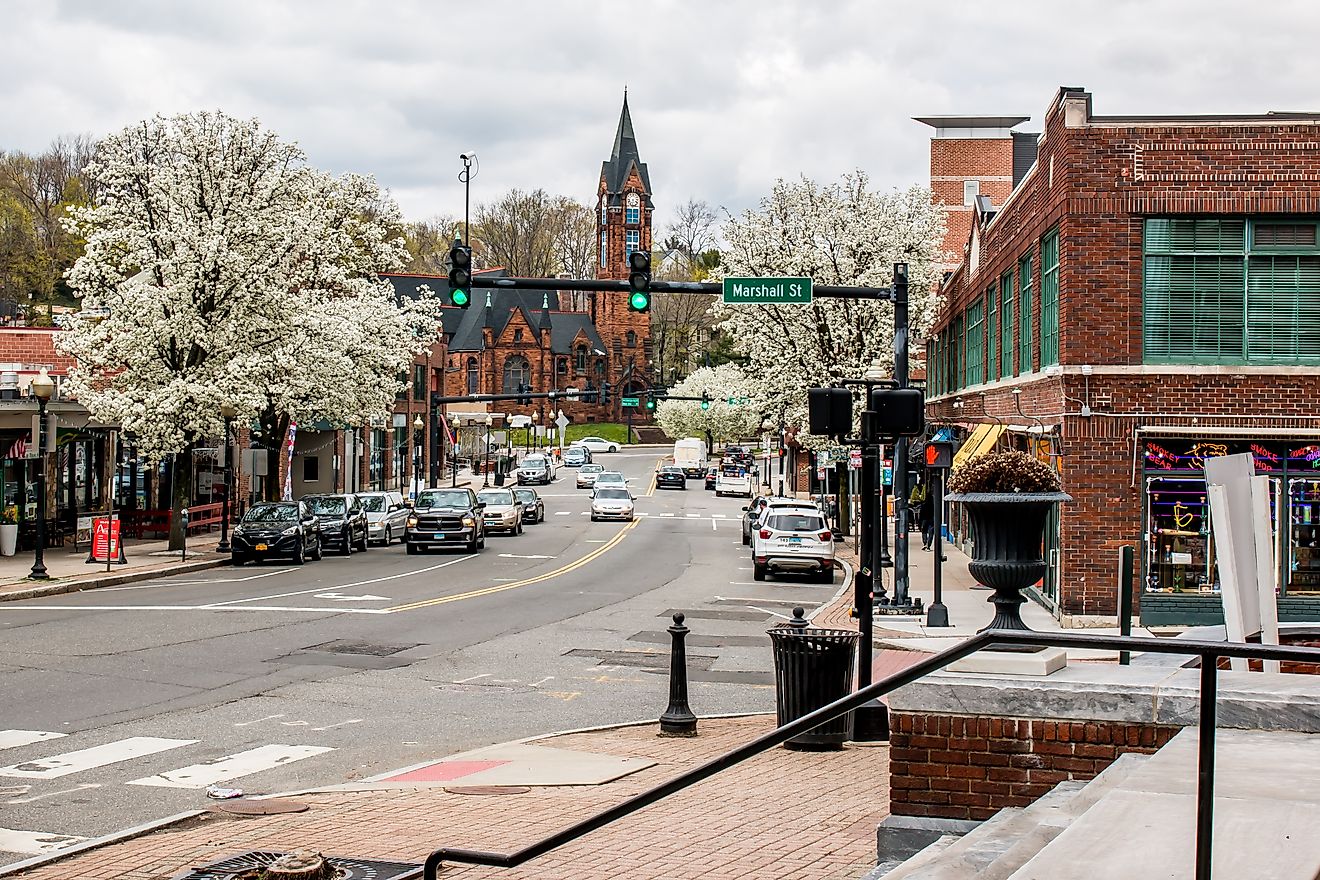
column 250, row 866
column 348, row 646
column 269, row 807
column 488, row 789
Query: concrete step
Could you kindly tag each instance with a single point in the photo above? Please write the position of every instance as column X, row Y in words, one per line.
column 1267, row 805
column 927, row 855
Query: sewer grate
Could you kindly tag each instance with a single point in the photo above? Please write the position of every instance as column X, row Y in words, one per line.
column 264, row 807
column 348, row 646
column 251, row 865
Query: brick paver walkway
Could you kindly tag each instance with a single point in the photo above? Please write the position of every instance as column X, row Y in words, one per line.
column 784, row 815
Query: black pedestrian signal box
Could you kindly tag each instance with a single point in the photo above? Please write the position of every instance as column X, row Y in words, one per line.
column 900, row 412
column 939, row 454
column 829, row 411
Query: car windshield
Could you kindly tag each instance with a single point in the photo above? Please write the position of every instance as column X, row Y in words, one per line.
column 496, row 496
column 271, row 513
column 373, row 503
column 451, row 498
column 733, row 470
column 526, row 495
column 592, row 469
column 326, row 504
column 533, row 463
column 671, row 470
column 610, row 477
column 795, row 522
column 612, row 494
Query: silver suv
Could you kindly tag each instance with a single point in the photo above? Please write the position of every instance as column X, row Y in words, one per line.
column 794, row 540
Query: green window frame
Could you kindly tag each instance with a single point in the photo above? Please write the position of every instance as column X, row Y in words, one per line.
column 1026, row 331
column 957, row 353
column 991, row 334
column 974, row 369
column 1231, row 291
column 1049, row 299
column 1006, row 324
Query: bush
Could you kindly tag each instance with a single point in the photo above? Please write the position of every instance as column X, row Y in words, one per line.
column 1004, row 472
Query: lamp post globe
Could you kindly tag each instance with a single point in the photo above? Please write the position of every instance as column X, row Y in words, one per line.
column 43, row 387
column 228, row 412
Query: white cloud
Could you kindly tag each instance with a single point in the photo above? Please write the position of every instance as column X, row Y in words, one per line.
column 726, row 96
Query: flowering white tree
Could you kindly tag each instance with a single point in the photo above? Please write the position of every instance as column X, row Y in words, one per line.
column 722, row 421
column 219, row 268
column 844, row 234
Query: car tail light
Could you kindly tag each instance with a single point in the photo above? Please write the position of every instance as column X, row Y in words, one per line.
column 764, row 533
column 824, row 536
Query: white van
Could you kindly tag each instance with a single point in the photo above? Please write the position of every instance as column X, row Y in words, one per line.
column 690, row 455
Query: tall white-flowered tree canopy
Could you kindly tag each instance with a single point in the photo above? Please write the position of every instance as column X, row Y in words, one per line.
column 842, row 233
column 724, row 421
column 220, row 267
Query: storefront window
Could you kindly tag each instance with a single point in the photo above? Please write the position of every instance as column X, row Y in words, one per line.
column 1304, row 536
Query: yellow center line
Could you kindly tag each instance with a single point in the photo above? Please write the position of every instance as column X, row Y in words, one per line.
column 650, row 490
column 486, row 591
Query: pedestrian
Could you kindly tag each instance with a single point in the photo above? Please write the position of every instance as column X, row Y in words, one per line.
column 925, row 505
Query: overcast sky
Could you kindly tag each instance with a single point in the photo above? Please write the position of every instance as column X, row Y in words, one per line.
column 726, row 95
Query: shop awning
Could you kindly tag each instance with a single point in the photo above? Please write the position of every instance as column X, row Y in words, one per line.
column 981, row 441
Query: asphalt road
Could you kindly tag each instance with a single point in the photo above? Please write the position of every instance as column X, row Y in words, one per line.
column 121, row 704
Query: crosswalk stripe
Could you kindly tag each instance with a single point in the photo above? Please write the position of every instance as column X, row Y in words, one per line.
column 693, row 516
column 97, row 756
column 561, row 513
column 34, row 843
column 232, row 766
column 12, row 739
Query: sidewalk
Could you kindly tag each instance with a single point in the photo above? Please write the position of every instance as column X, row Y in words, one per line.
column 785, row 815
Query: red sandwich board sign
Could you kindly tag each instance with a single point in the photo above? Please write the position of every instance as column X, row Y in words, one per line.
column 106, row 543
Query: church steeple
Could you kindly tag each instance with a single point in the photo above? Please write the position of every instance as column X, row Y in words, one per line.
column 624, row 157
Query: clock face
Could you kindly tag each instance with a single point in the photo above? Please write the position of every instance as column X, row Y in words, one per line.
column 634, row 200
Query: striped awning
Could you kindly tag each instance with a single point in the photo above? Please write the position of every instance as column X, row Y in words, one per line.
column 981, row 441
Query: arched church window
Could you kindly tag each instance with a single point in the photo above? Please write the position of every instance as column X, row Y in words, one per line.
column 473, row 376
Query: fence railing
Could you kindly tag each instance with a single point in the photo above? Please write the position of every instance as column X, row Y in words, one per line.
column 1208, row 652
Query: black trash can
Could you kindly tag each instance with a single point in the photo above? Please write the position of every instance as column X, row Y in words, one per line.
column 814, row 667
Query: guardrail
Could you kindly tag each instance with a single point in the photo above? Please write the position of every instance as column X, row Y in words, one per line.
column 1208, row 652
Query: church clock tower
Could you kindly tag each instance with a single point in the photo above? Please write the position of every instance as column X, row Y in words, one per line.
column 623, row 223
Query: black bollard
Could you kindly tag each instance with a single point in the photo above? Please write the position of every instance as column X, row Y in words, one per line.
column 798, row 621
column 678, row 719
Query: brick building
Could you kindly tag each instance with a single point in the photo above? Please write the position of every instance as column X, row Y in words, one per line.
column 1146, row 296
column 507, row 340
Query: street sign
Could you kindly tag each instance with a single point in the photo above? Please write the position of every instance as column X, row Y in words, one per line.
column 562, row 421
column 629, row 401
column 767, row 290
column 855, row 459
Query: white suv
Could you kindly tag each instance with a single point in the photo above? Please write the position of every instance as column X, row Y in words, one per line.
column 795, row 540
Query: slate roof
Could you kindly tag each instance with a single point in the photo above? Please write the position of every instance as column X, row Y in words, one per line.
column 464, row 326
column 622, row 158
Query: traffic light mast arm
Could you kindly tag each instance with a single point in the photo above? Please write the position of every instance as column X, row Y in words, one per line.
column 607, row 286
column 536, row 395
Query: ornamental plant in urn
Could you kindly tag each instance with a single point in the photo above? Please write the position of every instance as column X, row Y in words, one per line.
column 1008, row 496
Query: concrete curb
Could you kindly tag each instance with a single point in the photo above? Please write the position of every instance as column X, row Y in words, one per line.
column 98, row 842
column 848, row 575
column 72, row 585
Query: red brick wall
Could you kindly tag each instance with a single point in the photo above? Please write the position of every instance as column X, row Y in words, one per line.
column 963, row 159
column 32, row 346
column 961, row 767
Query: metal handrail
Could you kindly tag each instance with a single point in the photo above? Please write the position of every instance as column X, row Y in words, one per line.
column 1209, row 653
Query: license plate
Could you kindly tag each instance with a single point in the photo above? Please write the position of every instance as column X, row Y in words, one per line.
column 438, row 535
column 261, row 547
column 793, row 540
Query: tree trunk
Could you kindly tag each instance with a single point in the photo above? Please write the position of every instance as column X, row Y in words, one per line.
column 274, row 433
column 180, row 493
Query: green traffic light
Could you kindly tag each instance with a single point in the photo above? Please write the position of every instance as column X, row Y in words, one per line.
column 640, row 300
column 705, row 404
column 460, row 297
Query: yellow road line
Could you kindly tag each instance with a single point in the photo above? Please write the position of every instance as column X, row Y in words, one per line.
column 650, row 490
column 486, row 591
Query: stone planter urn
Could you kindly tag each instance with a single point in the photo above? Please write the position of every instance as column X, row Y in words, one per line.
column 8, row 539
column 1008, row 530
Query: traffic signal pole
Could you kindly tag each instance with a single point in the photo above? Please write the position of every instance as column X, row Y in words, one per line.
column 901, row 443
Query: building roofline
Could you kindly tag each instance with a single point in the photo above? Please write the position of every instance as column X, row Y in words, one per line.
column 980, row 121
column 1272, row 117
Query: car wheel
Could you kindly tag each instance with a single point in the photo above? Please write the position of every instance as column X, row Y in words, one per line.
column 299, row 556
column 519, row 528
column 411, row 549
column 613, row 448
column 747, row 541
column 758, row 571
column 362, row 545
column 347, row 540
column 317, row 554
column 472, row 545
column 237, row 559
column 825, row 576
column 481, row 545
column 593, row 518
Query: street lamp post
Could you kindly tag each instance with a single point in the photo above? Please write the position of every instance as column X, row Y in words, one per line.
column 418, row 427
column 42, row 389
column 453, row 452
column 536, row 423
column 485, row 468
column 227, row 412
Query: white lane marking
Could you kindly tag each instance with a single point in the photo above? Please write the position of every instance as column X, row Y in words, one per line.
column 693, row 515
column 473, row 678
column 541, row 682
column 231, row 766
column 51, row 794
column 533, row 556
column 768, row 611
column 666, row 514
column 10, row 739
column 97, row 756
column 340, row 597
column 561, row 513
column 720, row 516
column 321, row 610
column 712, row 526
column 35, row 843
column 258, row 721
column 251, row 577
column 340, row 724
column 322, row 589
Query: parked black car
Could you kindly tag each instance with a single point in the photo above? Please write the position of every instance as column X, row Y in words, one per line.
column 533, row 506
column 342, row 520
column 445, row 518
column 670, row 475
column 276, row 529
column 712, row 473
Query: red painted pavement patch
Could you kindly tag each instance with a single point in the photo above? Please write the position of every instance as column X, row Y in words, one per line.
column 444, row 771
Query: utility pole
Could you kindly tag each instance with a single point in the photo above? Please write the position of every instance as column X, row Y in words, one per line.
column 900, row 443
column 466, row 176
